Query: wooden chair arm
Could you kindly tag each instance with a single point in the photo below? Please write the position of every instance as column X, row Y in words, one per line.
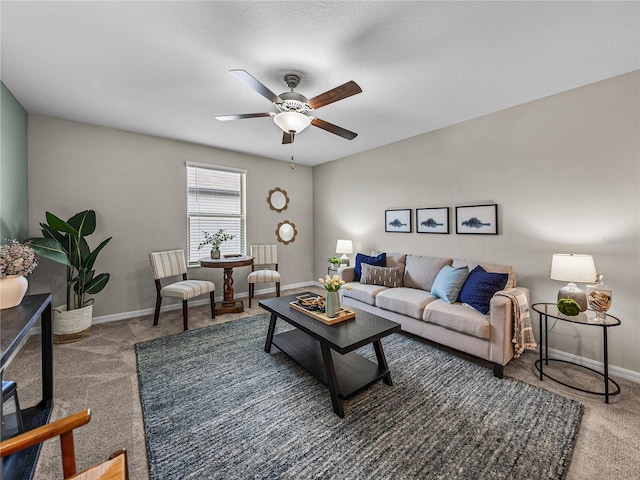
column 62, row 428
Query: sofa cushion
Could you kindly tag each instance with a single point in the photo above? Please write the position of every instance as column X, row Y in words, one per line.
column 394, row 260
column 459, row 318
column 490, row 267
column 449, row 282
column 363, row 292
column 420, row 272
column 407, row 301
column 361, row 258
column 480, row 287
column 385, row 276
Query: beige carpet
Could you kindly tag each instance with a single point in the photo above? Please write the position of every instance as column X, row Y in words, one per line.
column 100, row 373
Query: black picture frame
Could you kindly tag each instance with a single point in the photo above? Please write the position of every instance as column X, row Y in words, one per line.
column 398, row 220
column 432, row 220
column 477, row 219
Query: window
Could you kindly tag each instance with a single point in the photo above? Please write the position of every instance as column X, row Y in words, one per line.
column 215, row 200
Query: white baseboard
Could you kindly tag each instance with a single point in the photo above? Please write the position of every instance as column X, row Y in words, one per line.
column 599, row 366
column 178, row 305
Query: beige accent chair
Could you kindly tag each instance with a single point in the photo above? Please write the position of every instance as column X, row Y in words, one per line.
column 264, row 256
column 171, row 263
column 115, row 468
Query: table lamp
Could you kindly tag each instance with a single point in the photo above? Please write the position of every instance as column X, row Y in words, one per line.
column 346, row 248
column 569, row 267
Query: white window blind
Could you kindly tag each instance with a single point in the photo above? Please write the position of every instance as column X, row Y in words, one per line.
column 216, row 200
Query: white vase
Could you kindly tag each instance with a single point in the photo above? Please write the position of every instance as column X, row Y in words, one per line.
column 215, row 253
column 12, row 290
column 332, row 305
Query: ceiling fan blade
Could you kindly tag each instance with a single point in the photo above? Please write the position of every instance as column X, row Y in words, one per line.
column 256, row 85
column 330, row 127
column 287, row 137
column 333, row 95
column 240, row 116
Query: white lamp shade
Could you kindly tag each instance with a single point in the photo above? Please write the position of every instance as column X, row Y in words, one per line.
column 292, row 121
column 344, row 246
column 569, row 267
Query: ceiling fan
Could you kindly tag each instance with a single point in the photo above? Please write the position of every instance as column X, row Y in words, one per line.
column 292, row 106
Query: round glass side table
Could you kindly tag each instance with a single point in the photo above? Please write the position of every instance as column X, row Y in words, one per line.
column 587, row 318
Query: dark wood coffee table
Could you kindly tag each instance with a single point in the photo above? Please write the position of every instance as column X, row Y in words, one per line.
column 327, row 351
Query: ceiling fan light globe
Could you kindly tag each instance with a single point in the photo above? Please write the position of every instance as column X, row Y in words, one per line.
column 292, row 121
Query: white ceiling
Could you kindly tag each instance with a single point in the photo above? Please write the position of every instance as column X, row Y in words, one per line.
column 161, row 68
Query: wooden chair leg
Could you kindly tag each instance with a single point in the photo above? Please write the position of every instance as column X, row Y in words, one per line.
column 68, row 454
column 213, row 305
column 156, row 315
column 185, row 315
column 251, row 286
column 277, row 289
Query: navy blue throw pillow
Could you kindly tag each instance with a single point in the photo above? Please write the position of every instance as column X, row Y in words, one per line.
column 480, row 287
column 379, row 261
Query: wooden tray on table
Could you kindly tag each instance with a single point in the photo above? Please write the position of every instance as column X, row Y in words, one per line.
column 343, row 313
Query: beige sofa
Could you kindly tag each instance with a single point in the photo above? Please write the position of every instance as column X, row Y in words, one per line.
column 455, row 325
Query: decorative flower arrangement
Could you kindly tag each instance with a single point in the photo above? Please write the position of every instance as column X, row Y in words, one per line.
column 333, row 284
column 17, row 259
column 215, row 239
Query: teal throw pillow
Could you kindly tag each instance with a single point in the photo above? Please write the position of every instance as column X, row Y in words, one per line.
column 449, row 282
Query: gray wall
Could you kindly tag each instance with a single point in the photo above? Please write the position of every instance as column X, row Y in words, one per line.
column 137, row 186
column 565, row 173
column 14, row 186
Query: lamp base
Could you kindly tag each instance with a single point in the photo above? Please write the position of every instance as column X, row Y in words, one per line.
column 344, row 259
column 570, row 290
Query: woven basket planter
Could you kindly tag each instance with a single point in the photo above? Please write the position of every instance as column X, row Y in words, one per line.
column 71, row 326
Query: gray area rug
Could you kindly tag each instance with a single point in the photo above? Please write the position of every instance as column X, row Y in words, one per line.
column 215, row 405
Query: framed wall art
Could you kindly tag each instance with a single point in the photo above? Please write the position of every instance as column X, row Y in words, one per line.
column 432, row 220
column 397, row 220
column 477, row 219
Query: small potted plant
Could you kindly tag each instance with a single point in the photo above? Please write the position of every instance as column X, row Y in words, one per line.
column 17, row 260
column 215, row 240
column 66, row 243
column 334, row 262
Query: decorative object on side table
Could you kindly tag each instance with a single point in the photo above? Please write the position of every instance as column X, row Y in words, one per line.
column 66, row 243
column 215, row 240
column 568, row 307
column 16, row 261
column 599, row 297
column 345, row 247
column 334, row 262
column 569, row 267
column 332, row 285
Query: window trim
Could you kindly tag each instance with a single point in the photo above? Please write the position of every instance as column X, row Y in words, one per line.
column 243, row 205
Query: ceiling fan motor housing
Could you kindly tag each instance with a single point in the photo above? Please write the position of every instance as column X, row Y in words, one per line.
column 293, row 102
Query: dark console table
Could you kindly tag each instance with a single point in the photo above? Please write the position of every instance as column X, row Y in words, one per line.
column 15, row 324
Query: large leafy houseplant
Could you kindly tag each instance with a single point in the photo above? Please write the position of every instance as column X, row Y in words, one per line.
column 65, row 243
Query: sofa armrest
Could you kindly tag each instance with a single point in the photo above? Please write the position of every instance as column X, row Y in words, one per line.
column 501, row 320
column 347, row 273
